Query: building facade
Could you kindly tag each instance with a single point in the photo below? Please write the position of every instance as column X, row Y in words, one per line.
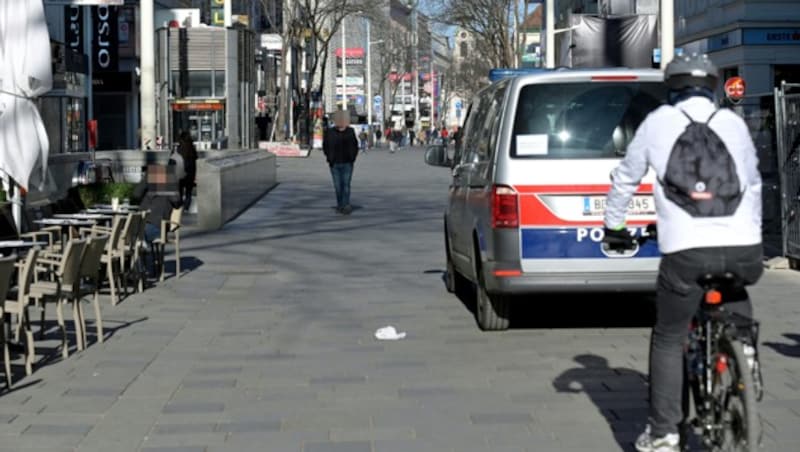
column 755, row 39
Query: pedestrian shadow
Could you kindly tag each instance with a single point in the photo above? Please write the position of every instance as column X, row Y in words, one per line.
column 619, row 394
column 791, row 350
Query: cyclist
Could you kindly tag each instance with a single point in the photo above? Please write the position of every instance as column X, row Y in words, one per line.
column 692, row 244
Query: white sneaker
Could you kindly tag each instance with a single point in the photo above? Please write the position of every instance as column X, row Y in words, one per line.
column 667, row 443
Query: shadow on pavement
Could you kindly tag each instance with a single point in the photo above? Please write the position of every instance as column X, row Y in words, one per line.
column 619, row 394
column 791, row 350
column 573, row 310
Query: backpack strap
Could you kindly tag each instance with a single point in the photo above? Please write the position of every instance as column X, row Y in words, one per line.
column 691, row 120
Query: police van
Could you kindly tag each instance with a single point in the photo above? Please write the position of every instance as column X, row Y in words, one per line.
column 528, row 187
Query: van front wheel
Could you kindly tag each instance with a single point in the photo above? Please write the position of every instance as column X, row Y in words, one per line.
column 492, row 311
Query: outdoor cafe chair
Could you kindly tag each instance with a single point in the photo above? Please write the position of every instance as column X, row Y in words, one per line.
column 63, row 288
column 90, row 281
column 19, row 306
column 110, row 257
column 170, row 233
column 6, row 270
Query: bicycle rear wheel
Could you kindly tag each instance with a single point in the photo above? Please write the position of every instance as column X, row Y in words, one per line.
column 735, row 400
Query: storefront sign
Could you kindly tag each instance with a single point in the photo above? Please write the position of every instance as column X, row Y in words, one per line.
column 218, row 13
column 283, row 149
column 271, row 41
column 105, row 39
column 197, row 106
column 735, row 89
column 73, row 28
column 771, row 36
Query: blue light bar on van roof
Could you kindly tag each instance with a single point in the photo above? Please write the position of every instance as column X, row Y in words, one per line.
column 501, row 73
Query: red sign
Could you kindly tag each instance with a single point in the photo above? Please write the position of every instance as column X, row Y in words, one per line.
column 283, row 149
column 91, row 127
column 735, row 88
column 197, row 106
column 351, row 52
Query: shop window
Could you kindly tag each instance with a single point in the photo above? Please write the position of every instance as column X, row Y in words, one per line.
column 219, row 83
column 200, row 84
column 790, row 73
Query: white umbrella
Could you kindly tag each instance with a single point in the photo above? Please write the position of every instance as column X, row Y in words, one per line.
column 25, row 73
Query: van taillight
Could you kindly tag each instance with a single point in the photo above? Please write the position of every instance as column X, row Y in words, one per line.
column 505, row 207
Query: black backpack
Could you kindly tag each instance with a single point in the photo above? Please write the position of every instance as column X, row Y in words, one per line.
column 701, row 174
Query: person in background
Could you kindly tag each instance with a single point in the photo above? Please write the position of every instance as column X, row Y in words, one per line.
column 363, row 140
column 187, row 150
column 411, row 137
column 341, row 149
column 445, row 135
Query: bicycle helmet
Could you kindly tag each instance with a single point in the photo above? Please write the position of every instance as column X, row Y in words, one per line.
column 691, row 71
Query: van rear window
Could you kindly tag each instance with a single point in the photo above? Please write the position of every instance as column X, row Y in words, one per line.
column 581, row 120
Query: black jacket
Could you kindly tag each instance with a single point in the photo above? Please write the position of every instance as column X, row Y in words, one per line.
column 340, row 147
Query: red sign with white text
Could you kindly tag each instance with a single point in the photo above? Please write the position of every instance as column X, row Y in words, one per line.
column 735, row 88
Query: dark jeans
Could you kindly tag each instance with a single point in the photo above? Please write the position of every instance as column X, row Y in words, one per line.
column 186, row 187
column 678, row 299
column 342, row 174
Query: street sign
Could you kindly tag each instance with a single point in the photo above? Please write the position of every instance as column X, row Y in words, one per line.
column 459, row 105
column 735, row 89
column 378, row 100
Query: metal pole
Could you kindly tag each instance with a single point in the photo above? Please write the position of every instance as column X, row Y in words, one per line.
column 148, row 79
column 415, row 34
column 550, row 35
column 228, row 12
column 344, row 65
column 369, row 80
column 667, row 32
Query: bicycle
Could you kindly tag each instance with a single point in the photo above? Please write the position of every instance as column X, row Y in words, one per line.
column 723, row 381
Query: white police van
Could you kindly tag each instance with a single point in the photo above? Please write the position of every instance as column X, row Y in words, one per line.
column 529, row 183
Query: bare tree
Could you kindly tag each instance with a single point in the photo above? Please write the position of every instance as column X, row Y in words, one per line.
column 493, row 24
column 311, row 24
column 394, row 61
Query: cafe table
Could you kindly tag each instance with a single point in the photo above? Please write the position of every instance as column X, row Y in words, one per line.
column 9, row 246
column 66, row 225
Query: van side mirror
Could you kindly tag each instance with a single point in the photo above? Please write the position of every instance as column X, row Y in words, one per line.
column 436, row 155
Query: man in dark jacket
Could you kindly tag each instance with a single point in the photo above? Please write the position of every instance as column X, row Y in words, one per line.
column 341, row 148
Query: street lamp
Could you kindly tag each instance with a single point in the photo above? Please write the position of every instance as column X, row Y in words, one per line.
column 369, row 76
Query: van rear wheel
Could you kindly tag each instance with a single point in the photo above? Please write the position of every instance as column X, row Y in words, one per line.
column 492, row 311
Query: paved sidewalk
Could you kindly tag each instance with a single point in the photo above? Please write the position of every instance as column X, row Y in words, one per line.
column 266, row 345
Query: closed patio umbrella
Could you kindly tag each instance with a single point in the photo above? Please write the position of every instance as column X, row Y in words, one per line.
column 25, row 73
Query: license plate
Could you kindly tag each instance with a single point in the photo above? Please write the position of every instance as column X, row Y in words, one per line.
column 638, row 205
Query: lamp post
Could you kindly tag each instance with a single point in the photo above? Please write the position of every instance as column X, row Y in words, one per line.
column 344, row 65
column 369, row 74
column 667, row 11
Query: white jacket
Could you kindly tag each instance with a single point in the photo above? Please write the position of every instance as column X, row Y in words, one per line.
column 651, row 147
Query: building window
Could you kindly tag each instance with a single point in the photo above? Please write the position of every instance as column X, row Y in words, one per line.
column 463, row 49
column 219, row 83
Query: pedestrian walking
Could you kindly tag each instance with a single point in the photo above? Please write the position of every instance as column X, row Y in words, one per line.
column 411, row 137
column 188, row 152
column 364, row 140
column 445, row 135
column 392, row 138
column 340, row 146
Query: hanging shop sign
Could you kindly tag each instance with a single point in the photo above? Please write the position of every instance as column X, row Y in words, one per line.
column 73, row 28
column 218, row 13
column 105, row 39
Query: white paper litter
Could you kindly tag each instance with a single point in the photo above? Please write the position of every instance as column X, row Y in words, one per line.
column 389, row 333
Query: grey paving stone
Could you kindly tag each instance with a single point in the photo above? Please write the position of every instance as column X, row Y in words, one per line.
column 209, row 384
column 354, row 446
column 93, row 392
column 193, row 407
column 175, row 429
column 249, row 427
column 338, row 380
column 425, row 392
column 501, row 418
column 176, row 449
column 50, row 429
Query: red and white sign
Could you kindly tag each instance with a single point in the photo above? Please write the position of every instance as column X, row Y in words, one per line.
column 735, row 89
column 283, row 149
column 351, row 52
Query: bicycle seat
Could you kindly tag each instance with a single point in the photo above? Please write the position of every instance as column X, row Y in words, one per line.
column 712, row 281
